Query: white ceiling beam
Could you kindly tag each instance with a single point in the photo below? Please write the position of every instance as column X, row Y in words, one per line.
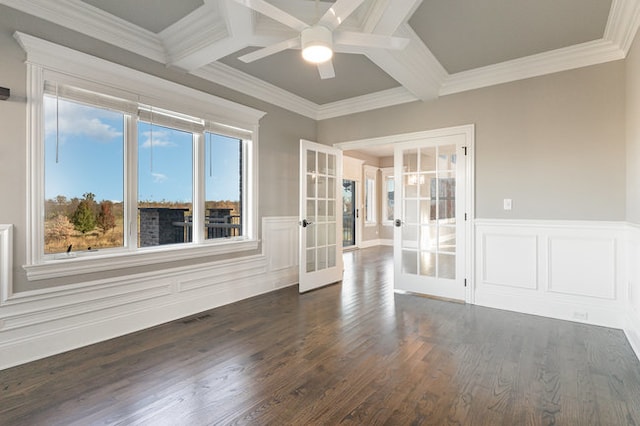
column 211, row 32
column 415, row 67
column 386, row 16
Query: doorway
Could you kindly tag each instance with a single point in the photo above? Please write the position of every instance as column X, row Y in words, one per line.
column 433, row 207
column 349, row 213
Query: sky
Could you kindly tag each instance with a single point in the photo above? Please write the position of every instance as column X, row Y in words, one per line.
column 90, row 144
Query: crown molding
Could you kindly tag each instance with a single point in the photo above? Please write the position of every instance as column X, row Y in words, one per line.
column 623, row 22
column 416, row 69
column 382, row 99
column 79, row 16
column 251, row 86
column 581, row 55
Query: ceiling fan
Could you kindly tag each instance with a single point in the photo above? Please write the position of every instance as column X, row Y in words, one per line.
column 319, row 40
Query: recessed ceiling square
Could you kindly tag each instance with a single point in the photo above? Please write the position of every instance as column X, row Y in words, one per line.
column 468, row 34
column 356, row 75
column 151, row 15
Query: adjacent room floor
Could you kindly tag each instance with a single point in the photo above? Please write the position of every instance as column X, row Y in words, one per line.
column 351, row 353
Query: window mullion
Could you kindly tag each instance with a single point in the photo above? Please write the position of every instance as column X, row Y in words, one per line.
column 198, row 188
column 131, row 183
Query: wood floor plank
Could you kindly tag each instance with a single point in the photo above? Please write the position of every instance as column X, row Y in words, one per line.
column 354, row 353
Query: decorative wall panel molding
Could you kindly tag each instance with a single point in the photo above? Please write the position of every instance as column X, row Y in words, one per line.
column 582, row 266
column 37, row 324
column 570, row 270
column 510, row 260
column 6, row 262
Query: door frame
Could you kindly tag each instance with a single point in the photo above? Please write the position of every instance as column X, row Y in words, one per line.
column 468, row 131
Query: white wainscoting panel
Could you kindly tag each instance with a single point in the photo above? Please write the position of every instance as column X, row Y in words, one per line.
column 40, row 323
column 6, row 262
column 583, row 266
column 632, row 326
column 510, row 260
column 561, row 269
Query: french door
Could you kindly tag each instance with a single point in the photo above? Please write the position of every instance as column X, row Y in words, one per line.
column 430, row 232
column 320, row 215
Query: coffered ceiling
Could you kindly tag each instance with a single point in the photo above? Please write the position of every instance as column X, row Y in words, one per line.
column 455, row 45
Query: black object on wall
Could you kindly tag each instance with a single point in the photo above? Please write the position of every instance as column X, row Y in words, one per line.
column 4, row 93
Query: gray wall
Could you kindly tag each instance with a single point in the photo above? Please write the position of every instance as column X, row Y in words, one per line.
column 554, row 144
column 280, row 133
column 633, row 132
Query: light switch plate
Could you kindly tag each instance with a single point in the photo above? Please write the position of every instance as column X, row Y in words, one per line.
column 507, row 203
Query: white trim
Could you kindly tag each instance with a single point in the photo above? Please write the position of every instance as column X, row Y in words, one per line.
column 382, row 99
column 632, row 293
column 6, row 263
column 39, row 323
column 252, row 86
column 568, row 58
column 94, row 22
column 623, row 22
column 161, row 92
column 468, row 131
column 416, row 68
column 146, row 256
column 518, row 270
column 46, row 60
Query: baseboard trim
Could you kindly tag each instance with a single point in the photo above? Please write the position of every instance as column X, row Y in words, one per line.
column 632, row 331
column 40, row 325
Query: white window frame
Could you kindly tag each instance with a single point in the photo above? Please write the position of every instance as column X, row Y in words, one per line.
column 387, row 173
column 47, row 61
column 370, row 173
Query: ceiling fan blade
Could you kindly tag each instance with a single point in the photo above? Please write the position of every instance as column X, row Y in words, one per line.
column 338, row 12
column 292, row 43
column 326, row 70
column 348, row 38
column 269, row 10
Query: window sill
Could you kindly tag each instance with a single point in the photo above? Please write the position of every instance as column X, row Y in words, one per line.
column 56, row 268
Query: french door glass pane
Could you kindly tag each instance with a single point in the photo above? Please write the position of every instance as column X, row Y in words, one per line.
column 321, row 198
column 165, row 185
column 84, row 176
column 429, row 181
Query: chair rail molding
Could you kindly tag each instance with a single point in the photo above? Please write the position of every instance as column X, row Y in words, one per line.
column 39, row 323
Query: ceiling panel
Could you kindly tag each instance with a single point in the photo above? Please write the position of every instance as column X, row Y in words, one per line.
column 355, row 75
column 467, row 34
column 149, row 14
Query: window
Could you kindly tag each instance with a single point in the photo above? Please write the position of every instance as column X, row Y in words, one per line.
column 370, row 189
column 388, row 191
column 223, row 186
column 84, row 176
column 129, row 169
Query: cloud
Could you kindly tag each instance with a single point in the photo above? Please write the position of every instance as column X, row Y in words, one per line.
column 74, row 119
column 159, row 177
column 159, row 140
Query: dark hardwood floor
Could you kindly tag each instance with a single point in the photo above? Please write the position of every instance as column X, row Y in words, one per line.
column 351, row 353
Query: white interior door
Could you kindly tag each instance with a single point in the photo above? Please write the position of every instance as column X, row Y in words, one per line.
column 430, row 230
column 320, row 215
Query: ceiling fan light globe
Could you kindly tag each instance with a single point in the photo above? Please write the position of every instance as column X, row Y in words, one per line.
column 317, row 53
column 316, row 44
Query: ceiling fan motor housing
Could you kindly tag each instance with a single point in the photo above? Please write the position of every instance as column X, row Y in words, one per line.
column 317, row 44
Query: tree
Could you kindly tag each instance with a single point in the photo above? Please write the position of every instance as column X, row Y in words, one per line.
column 84, row 218
column 106, row 220
column 58, row 229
